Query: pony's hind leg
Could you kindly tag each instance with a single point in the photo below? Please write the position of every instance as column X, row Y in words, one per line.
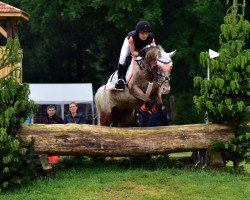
column 123, row 118
column 105, row 119
column 114, row 116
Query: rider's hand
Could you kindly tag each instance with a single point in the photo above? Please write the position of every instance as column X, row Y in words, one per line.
column 142, row 53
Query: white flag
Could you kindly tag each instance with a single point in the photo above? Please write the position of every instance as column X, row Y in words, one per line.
column 213, row 54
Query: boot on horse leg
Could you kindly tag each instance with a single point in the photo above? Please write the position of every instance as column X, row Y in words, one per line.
column 120, row 85
column 146, row 107
column 156, row 108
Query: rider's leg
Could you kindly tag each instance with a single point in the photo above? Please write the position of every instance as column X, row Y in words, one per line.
column 121, row 66
column 121, row 69
column 127, row 64
column 125, row 51
column 121, row 82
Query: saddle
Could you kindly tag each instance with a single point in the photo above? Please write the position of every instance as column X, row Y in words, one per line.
column 110, row 86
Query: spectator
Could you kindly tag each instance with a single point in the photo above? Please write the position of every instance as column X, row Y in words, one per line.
column 74, row 116
column 50, row 118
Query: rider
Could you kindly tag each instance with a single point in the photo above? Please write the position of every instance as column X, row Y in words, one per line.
column 135, row 41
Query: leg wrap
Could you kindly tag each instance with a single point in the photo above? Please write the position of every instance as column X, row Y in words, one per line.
column 144, row 108
column 154, row 109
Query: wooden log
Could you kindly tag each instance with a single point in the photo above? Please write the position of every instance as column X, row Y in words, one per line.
column 75, row 139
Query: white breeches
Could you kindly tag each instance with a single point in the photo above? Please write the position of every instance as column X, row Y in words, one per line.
column 125, row 51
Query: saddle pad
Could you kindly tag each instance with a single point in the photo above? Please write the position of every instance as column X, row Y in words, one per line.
column 114, row 77
column 112, row 81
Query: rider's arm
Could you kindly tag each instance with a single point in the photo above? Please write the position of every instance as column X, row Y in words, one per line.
column 132, row 47
column 153, row 43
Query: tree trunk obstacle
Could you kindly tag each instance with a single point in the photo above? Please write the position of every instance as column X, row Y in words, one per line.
column 92, row 140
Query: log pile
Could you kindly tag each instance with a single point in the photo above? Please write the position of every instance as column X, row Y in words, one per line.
column 76, row 139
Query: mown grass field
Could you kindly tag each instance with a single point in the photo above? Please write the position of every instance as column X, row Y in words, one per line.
column 111, row 181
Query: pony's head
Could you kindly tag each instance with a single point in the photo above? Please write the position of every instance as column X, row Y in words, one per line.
column 156, row 56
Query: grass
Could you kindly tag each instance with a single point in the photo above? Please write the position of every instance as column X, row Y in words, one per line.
column 112, row 181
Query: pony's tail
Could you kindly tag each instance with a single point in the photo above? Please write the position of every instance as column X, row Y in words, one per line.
column 98, row 102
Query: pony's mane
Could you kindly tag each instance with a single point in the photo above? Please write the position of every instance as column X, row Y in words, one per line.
column 152, row 54
column 155, row 54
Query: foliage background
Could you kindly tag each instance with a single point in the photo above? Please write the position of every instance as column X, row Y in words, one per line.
column 16, row 161
column 72, row 41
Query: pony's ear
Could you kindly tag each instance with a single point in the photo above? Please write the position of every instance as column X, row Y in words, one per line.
column 146, row 47
column 158, row 54
column 172, row 53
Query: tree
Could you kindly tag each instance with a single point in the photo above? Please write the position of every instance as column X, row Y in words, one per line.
column 16, row 166
column 225, row 96
column 79, row 41
column 191, row 28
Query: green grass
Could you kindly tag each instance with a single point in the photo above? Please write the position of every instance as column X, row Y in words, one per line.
column 247, row 167
column 111, row 181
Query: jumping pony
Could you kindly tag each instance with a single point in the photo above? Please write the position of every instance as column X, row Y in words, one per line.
column 148, row 80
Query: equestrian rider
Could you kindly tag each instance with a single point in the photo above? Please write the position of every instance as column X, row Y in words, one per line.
column 133, row 44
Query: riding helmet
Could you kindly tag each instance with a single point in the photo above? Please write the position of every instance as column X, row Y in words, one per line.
column 142, row 26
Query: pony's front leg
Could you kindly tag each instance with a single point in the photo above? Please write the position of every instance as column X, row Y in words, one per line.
column 163, row 89
column 159, row 97
column 138, row 93
column 159, row 104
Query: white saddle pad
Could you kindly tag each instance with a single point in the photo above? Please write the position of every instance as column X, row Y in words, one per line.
column 114, row 77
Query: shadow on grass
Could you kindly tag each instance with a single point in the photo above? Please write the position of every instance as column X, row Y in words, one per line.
column 144, row 162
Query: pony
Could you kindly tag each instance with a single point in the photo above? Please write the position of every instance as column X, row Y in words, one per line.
column 148, row 81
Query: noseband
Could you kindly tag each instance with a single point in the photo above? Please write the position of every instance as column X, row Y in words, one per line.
column 155, row 71
column 161, row 78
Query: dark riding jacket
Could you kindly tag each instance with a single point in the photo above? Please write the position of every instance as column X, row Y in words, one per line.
column 140, row 44
column 53, row 120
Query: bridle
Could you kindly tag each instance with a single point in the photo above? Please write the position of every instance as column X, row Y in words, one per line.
column 155, row 71
column 161, row 65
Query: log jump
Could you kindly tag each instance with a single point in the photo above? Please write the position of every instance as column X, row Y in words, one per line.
column 92, row 140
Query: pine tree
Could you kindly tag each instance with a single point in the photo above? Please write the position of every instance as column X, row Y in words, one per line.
column 16, row 162
column 225, row 96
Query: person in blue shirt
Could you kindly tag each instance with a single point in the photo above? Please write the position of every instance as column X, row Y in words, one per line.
column 74, row 116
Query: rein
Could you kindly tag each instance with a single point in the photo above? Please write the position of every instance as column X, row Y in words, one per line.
column 157, row 71
column 152, row 70
column 143, row 64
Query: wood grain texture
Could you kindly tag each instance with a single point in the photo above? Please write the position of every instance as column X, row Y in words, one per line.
column 76, row 139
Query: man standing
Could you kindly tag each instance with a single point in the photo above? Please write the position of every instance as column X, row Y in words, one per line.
column 50, row 118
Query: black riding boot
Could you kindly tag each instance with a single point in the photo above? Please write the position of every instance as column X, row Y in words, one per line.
column 121, row 82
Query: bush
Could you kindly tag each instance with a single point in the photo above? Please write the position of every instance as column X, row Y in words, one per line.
column 225, row 95
column 16, row 163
